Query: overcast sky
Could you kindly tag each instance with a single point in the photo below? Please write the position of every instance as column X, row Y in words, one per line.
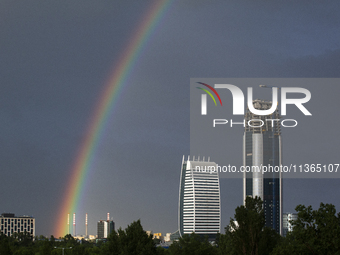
column 56, row 57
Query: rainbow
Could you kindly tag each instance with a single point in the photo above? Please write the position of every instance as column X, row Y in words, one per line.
column 82, row 165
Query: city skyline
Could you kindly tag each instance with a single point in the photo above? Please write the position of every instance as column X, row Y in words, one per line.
column 57, row 59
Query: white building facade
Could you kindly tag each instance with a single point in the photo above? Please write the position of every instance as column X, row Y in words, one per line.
column 287, row 222
column 199, row 198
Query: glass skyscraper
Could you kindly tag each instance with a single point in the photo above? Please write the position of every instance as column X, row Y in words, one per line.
column 262, row 148
column 199, row 198
column 105, row 228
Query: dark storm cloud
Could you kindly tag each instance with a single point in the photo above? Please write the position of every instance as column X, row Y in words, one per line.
column 57, row 56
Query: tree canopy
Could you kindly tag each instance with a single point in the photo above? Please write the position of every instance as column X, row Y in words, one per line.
column 131, row 241
column 314, row 232
column 246, row 233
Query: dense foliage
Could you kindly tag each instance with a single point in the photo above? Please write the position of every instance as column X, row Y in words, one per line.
column 314, row 232
column 249, row 235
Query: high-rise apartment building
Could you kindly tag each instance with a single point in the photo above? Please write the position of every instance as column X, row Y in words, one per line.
column 287, row 225
column 262, row 148
column 104, row 228
column 10, row 224
column 199, row 198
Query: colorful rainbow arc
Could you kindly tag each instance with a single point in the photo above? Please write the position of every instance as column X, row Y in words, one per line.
column 82, row 165
column 208, row 92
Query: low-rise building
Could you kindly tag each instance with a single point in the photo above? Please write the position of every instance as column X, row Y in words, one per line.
column 10, row 224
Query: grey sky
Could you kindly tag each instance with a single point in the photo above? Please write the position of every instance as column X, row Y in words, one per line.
column 57, row 55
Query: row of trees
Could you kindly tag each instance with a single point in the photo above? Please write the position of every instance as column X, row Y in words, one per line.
column 314, row 232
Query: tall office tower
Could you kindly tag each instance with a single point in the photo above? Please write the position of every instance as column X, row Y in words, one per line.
column 199, row 198
column 104, row 228
column 10, row 224
column 262, row 147
column 287, row 225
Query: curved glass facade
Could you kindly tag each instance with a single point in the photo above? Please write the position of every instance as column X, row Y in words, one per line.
column 199, row 199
